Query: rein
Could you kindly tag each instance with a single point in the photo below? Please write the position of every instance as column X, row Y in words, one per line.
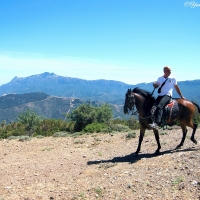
column 134, row 113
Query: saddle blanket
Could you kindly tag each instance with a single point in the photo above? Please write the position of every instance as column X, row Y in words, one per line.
column 171, row 111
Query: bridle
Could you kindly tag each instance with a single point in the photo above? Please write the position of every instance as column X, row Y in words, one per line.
column 132, row 102
column 131, row 98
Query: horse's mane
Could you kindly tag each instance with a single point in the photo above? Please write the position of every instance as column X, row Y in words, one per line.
column 149, row 99
column 143, row 93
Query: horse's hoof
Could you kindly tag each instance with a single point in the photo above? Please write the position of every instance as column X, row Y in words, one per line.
column 193, row 140
column 178, row 147
column 157, row 152
column 136, row 153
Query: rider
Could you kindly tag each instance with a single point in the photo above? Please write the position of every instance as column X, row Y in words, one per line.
column 166, row 84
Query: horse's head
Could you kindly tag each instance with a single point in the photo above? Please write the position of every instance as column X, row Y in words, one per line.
column 129, row 101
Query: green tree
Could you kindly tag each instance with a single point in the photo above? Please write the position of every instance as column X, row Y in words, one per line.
column 87, row 114
column 48, row 127
column 30, row 120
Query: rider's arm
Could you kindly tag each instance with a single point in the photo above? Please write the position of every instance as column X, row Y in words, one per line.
column 178, row 91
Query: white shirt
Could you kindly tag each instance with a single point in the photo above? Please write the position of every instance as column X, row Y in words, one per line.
column 167, row 87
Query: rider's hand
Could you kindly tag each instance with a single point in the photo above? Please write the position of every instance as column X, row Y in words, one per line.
column 155, row 85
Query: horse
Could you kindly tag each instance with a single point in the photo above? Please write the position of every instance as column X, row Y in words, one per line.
column 144, row 101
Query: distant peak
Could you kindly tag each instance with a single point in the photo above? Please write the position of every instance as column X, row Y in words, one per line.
column 15, row 78
column 47, row 74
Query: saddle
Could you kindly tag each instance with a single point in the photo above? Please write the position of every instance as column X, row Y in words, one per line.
column 170, row 111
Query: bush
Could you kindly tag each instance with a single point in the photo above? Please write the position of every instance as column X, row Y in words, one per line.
column 94, row 127
column 13, row 137
column 60, row 134
column 133, row 124
column 14, row 129
column 119, row 128
column 30, row 120
column 87, row 114
column 24, row 138
column 48, row 127
column 130, row 135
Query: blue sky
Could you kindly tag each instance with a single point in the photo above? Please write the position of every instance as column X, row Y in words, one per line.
column 124, row 40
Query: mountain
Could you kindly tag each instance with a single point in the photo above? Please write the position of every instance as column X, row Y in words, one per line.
column 52, row 84
column 191, row 90
column 51, row 95
column 95, row 90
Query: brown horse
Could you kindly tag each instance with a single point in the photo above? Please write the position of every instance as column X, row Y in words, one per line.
column 144, row 101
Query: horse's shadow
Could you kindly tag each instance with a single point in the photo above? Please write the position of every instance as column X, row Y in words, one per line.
column 133, row 158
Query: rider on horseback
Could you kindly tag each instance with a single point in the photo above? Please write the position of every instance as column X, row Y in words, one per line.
column 166, row 84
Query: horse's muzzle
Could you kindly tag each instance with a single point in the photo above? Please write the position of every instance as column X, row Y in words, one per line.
column 125, row 110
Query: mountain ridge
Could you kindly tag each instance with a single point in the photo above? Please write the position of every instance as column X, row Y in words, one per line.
column 48, row 91
column 98, row 90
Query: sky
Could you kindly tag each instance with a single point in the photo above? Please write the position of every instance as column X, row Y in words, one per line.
column 123, row 40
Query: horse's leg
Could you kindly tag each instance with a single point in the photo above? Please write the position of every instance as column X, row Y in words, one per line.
column 142, row 131
column 184, row 130
column 156, row 133
column 193, row 133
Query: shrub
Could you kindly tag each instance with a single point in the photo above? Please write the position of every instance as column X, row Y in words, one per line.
column 130, row 135
column 24, row 138
column 40, row 136
column 13, row 129
column 13, row 137
column 119, row 128
column 60, row 134
column 94, row 127
column 30, row 120
column 48, row 127
column 87, row 114
column 133, row 123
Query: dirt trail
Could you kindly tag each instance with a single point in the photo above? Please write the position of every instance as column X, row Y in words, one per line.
column 100, row 166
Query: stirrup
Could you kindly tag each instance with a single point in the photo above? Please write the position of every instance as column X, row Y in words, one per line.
column 154, row 125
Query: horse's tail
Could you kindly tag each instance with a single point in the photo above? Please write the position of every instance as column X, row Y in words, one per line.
column 196, row 106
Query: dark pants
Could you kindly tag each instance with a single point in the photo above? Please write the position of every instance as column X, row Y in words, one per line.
column 160, row 102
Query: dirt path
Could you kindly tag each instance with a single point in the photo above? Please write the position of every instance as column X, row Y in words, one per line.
column 100, row 166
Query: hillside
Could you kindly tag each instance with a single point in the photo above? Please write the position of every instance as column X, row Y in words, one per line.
column 12, row 100
column 100, row 166
column 44, row 105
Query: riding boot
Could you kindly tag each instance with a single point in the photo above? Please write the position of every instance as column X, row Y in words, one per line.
column 154, row 118
column 159, row 116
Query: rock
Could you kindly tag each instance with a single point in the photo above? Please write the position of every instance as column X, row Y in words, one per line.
column 181, row 186
column 8, row 187
column 194, row 182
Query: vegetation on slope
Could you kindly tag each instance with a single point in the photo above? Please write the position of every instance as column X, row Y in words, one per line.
column 86, row 118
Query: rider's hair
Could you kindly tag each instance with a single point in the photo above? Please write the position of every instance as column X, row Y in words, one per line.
column 166, row 67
